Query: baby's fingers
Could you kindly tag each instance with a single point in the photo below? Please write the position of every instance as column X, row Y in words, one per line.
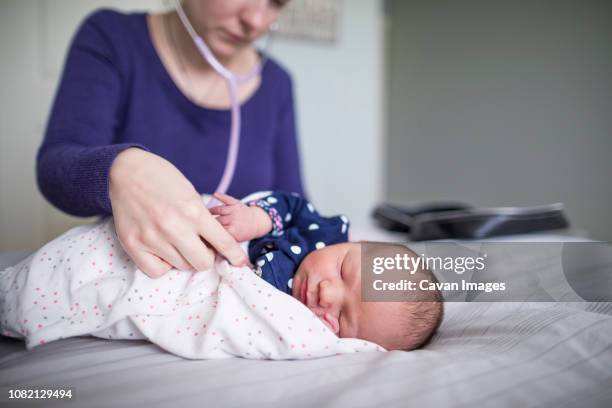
column 225, row 220
column 221, row 210
column 226, row 199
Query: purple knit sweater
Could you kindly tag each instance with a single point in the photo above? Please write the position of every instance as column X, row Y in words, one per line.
column 115, row 93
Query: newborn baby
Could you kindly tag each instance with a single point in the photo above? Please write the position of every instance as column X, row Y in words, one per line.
column 308, row 256
column 82, row 283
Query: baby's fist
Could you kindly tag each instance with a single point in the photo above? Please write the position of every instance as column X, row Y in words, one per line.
column 244, row 223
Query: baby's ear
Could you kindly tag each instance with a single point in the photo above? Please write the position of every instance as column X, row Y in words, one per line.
column 331, row 322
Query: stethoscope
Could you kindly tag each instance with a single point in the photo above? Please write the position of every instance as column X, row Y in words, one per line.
column 233, row 81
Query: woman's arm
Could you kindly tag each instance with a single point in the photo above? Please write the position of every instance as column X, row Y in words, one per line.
column 74, row 160
column 160, row 219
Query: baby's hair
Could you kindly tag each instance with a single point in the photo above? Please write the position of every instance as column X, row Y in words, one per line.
column 419, row 318
column 423, row 317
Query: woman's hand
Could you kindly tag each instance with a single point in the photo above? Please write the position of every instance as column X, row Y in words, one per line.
column 243, row 222
column 161, row 219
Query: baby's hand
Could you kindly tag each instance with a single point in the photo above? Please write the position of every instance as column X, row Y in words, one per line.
column 243, row 222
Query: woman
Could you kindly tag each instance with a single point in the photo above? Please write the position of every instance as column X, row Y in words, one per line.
column 140, row 126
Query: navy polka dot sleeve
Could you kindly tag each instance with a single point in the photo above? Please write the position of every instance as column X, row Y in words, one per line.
column 297, row 230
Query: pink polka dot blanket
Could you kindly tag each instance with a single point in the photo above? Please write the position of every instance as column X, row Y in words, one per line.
column 83, row 283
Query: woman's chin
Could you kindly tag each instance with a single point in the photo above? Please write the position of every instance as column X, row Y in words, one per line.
column 224, row 51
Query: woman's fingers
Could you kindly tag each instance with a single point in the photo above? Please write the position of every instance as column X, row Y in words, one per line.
column 168, row 253
column 195, row 252
column 226, row 199
column 149, row 264
column 160, row 217
column 133, row 246
column 214, row 233
column 187, row 239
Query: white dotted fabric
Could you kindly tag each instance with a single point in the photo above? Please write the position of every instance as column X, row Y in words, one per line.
column 83, row 283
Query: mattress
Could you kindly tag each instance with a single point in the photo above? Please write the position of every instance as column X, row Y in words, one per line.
column 485, row 354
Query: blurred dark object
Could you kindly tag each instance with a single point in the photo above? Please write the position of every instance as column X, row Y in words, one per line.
column 460, row 221
column 400, row 218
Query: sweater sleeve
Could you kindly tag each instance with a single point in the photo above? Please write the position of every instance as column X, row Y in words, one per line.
column 288, row 166
column 78, row 149
column 298, row 230
column 290, row 210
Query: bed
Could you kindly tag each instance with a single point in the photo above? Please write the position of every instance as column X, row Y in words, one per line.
column 485, row 354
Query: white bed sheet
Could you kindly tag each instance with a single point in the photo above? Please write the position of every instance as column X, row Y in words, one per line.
column 485, row 354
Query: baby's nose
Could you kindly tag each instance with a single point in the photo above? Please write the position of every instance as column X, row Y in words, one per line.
column 329, row 294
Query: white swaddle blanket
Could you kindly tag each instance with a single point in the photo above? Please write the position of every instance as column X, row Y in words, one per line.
column 83, row 283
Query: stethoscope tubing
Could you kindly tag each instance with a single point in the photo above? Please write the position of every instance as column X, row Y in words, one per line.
column 233, row 81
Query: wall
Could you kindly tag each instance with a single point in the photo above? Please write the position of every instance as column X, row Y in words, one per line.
column 340, row 98
column 501, row 103
column 339, row 95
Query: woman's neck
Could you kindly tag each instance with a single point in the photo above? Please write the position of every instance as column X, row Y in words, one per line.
column 240, row 63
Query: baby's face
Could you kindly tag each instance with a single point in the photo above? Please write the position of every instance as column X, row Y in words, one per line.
column 328, row 282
